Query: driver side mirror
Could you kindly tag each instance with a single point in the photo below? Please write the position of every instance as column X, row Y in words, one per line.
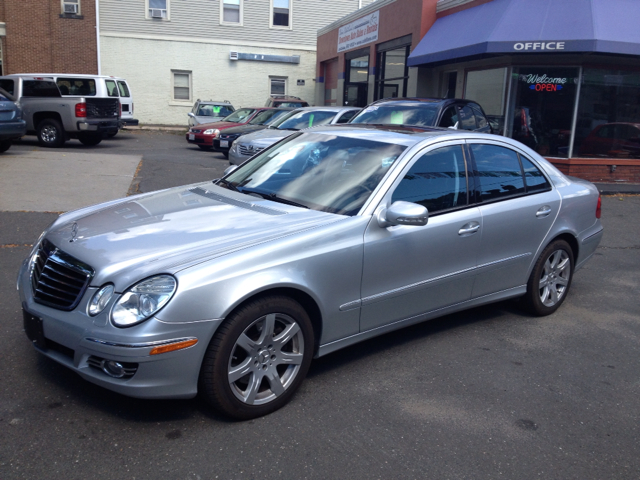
column 403, row 213
column 230, row 169
column 190, row 114
column 455, row 127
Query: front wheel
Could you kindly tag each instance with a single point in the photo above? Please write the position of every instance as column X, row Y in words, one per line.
column 90, row 139
column 550, row 279
column 258, row 358
column 51, row 133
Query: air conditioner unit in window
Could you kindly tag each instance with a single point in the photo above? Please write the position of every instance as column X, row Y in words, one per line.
column 70, row 8
column 233, row 55
column 158, row 13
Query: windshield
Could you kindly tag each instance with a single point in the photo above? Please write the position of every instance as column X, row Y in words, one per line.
column 319, row 171
column 423, row 115
column 213, row 111
column 306, row 119
column 266, row 117
column 240, row 115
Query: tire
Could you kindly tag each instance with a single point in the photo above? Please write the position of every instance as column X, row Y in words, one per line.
column 90, row 140
column 5, row 145
column 258, row 358
column 204, row 147
column 51, row 133
column 226, row 154
column 111, row 135
column 549, row 283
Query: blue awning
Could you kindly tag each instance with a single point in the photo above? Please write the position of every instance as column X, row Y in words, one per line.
column 526, row 26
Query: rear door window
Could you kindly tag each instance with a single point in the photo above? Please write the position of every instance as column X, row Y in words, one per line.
column 449, row 117
column 112, row 88
column 467, row 119
column 498, row 172
column 124, row 89
column 481, row 119
column 437, row 180
column 40, row 88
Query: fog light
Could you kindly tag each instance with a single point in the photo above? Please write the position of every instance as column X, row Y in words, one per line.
column 112, row 368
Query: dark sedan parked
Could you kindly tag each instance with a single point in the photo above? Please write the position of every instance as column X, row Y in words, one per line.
column 262, row 120
column 452, row 113
column 12, row 126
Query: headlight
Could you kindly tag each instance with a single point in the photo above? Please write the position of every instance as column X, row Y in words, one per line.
column 212, row 131
column 143, row 300
column 100, row 300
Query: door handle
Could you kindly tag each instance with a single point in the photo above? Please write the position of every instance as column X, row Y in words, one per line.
column 469, row 228
column 543, row 211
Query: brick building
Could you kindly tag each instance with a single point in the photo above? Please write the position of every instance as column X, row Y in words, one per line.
column 48, row 36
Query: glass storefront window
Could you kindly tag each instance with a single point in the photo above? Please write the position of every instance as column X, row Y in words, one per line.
column 608, row 115
column 487, row 87
column 391, row 81
column 359, row 69
column 543, row 100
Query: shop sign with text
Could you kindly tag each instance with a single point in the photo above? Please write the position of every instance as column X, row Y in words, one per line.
column 544, row 83
column 360, row 32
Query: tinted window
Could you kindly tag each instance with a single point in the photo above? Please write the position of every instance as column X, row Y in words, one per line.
column 467, row 119
column 124, row 90
column 449, row 117
column 112, row 89
column 438, row 180
column 40, row 88
column 7, row 86
column 536, row 182
column 481, row 120
column 347, row 116
column 498, row 171
column 77, row 86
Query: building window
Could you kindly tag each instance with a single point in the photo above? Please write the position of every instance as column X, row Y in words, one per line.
column 231, row 12
column 393, row 73
column 158, row 9
column 181, row 85
column 71, row 7
column 281, row 13
column 488, row 88
column 277, row 86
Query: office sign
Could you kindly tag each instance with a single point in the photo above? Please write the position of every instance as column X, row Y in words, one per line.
column 360, row 32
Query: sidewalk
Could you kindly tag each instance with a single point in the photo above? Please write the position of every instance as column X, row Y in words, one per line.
column 165, row 128
column 618, row 188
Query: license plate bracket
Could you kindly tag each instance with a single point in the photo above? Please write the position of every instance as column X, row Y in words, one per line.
column 192, row 136
column 224, row 143
column 34, row 329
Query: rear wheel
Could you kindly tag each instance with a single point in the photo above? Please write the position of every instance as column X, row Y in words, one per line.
column 51, row 133
column 5, row 145
column 550, row 279
column 258, row 358
column 90, row 139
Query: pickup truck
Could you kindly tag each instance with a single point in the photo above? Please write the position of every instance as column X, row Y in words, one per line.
column 54, row 118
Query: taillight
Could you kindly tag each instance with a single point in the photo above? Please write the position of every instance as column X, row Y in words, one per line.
column 131, row 108
column 81, row 109
column 599, row 207
column 120, row 109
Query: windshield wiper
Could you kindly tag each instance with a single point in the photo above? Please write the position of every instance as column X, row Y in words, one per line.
column 227, row 184
column 273, row 197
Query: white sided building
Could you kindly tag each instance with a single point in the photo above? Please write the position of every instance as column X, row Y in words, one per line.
column 173, row 52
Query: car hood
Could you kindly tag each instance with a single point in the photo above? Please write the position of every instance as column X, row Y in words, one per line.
column 166, row 231
column 265, row 137
column 218, row 125
column 244, row 129
column 200, row 120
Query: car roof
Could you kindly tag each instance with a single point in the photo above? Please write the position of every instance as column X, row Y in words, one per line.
column 418, row 100
column 328, row 108
column 213, row 102
column 79, row 75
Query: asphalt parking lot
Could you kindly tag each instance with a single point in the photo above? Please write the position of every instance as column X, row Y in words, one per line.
column 487, row 393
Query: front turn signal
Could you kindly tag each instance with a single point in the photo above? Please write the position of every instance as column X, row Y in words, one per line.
column 173, row 346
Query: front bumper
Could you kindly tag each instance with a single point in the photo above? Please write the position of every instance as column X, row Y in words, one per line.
column 12, row 130
column 80, row 342
column 199, row 139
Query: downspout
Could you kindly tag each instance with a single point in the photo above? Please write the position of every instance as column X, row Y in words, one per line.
column 98, row 33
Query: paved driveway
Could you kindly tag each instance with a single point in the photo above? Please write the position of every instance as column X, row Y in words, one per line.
column 483, row 394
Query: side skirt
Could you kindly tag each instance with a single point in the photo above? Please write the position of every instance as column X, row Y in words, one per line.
column 359, row 337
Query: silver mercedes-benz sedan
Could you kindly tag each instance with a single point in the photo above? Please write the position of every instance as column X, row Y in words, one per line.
column 332, row 236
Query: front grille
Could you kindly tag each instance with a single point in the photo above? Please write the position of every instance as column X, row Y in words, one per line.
column 102, row 108
column 193, row 130
column 229, row 136
column 58, row 280
column 248, row 150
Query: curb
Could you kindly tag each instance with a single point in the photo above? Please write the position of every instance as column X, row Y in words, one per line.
column 162, row 128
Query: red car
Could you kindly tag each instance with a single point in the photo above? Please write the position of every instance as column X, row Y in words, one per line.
column 203, row 134
column 613, row 140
